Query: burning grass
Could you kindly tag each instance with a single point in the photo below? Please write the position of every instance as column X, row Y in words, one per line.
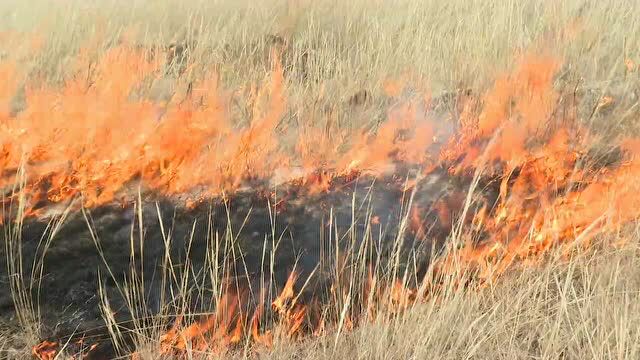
column 310, row 233
column 515, row 136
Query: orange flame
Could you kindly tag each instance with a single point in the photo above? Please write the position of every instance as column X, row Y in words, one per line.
column 101, row 136
column 49, row 350
column 216, row 333
column 552, row 199
column 46, row 350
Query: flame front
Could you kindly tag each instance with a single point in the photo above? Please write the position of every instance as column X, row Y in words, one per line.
column 97, row 138
column 549, row 192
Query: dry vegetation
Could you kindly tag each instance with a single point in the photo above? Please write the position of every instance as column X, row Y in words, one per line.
column 338, row 59
column 582, row 308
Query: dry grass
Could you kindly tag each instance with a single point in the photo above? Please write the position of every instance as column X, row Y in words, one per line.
column 586, row 307
column 348, row 46
column 333, row 49
column 582, row 309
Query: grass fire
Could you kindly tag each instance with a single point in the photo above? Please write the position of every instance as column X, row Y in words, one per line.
column 313, row 179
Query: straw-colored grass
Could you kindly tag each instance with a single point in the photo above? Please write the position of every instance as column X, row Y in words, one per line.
column 348, row 45
column 582, row 309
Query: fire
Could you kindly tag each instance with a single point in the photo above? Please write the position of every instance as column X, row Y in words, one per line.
column 46, row 350
column 546, row 197
column 50, row 350
column 97, row 138
column 215, row 333
column 101, row 137
column 291, row 313
column 227, row 327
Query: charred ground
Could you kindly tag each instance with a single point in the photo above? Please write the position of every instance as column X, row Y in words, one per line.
column 94, row 246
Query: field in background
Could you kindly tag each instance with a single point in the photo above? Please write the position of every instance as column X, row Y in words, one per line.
column 335, row 50
column 342, row 59
column 340, row 47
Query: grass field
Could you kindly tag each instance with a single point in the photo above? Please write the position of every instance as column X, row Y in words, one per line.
column 580, row 309
column 342, row 64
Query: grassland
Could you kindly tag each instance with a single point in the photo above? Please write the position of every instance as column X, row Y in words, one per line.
column 348, row 47
column 582, row 308
column 338, row 58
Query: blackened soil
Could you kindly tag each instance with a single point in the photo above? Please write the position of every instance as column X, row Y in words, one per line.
column 100, row 247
